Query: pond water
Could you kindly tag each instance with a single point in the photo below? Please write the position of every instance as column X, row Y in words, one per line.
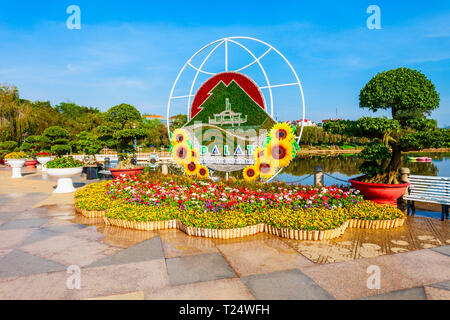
column 339, row 169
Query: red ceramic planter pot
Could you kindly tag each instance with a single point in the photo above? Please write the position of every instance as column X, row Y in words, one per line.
column 129, row 172
column 31, row 164
column 380, row 193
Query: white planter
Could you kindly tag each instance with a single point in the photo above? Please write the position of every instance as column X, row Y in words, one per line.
column 64, row 176
column 43, row 161
column 16, row 165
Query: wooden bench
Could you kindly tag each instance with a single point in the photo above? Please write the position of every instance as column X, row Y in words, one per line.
column 429, row 189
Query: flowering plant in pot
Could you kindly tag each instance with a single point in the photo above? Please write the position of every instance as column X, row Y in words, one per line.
column 43, row 158
column 16, row 160
column 64, row 169
column 31, row 159
column 126, row 167
column 411, row 97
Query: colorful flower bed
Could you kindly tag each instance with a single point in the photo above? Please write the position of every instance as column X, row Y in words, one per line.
column 204, row 204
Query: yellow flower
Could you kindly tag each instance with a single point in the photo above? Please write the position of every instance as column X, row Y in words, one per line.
column 202, row 172
column 181, row 153
column 258, row 153
column 280, row 152
column 251, row 173
column 191, row 168
column 179, row 136
column 282, row 132
column 265, row 167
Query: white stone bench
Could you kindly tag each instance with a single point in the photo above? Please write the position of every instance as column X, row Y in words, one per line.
column 429, row 189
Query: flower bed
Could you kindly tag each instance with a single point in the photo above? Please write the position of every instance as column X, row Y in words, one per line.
column 232, row 209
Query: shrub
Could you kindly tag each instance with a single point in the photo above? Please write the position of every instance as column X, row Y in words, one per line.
column 66, row 162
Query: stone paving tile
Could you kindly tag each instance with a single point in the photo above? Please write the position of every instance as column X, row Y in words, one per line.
column 70, row 250
column 398, row 272
column 95, row 282
column 89, row 233
column 39, row 235
column 66, row 228
column 405, row 294
column 19, row 263
column 437, row 293
column 8, row 216
column 138, row 295
column 123, row 278
column 14, row 237
column 124, row 238
column 262, row 256
column 225, row 289
column 178, row 244
column 443, row 250
column 35, row 213
column 198, row 268
column 441, row 285
column 146, row 250
column 41, row 286
column 23, row 224
column 4, row 252
column 58, row 221
column 285, row 285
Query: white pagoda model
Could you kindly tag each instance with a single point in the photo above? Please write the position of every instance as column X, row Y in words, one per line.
column 228, row 117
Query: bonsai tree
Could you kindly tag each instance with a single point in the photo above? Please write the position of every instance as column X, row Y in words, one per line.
column 126, row 137
column 58, row 139
column 410, row 97
column 88, row 143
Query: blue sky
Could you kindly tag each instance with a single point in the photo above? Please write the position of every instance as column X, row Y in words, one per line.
column 131, row 51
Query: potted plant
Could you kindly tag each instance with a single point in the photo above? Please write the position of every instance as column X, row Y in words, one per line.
column 126, row 167
column 410, row 97
column 91, row 165
column 43, row 158
column 31, row 160
column 64, row 168
column 16, row 160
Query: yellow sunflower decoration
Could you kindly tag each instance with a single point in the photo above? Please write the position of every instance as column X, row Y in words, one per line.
column 191, row 169
column 181, row 153
column 265, row 167
column 179, row 136
column 194, row 155
column 202, row 172
column 251, row 173
column 280, row 152
column 258, row 153
column 282, row 132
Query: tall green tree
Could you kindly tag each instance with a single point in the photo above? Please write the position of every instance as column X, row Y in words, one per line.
column 124, row 115
column 15, row 115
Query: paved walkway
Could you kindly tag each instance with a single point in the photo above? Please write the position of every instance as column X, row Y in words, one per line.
column 41, row 237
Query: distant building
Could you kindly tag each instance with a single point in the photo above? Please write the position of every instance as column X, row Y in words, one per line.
column 154, row 117
column 306, row 123
column 323, row 121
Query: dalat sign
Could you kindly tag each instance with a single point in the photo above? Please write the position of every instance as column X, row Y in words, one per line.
column 230, row 126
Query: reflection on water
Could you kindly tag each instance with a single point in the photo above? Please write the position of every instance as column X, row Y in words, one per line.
column 345, row 167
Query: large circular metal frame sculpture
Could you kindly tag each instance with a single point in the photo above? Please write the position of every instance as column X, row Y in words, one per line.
column 225, row 42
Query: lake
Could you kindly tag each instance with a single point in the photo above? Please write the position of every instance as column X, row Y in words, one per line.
column 340, row 168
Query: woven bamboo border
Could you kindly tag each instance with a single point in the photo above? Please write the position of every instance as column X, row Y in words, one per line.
column 252, row 230
column 376, row 224
column 90, row 214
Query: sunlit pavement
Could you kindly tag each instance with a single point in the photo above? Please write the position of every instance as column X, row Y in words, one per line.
column 41, row 236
